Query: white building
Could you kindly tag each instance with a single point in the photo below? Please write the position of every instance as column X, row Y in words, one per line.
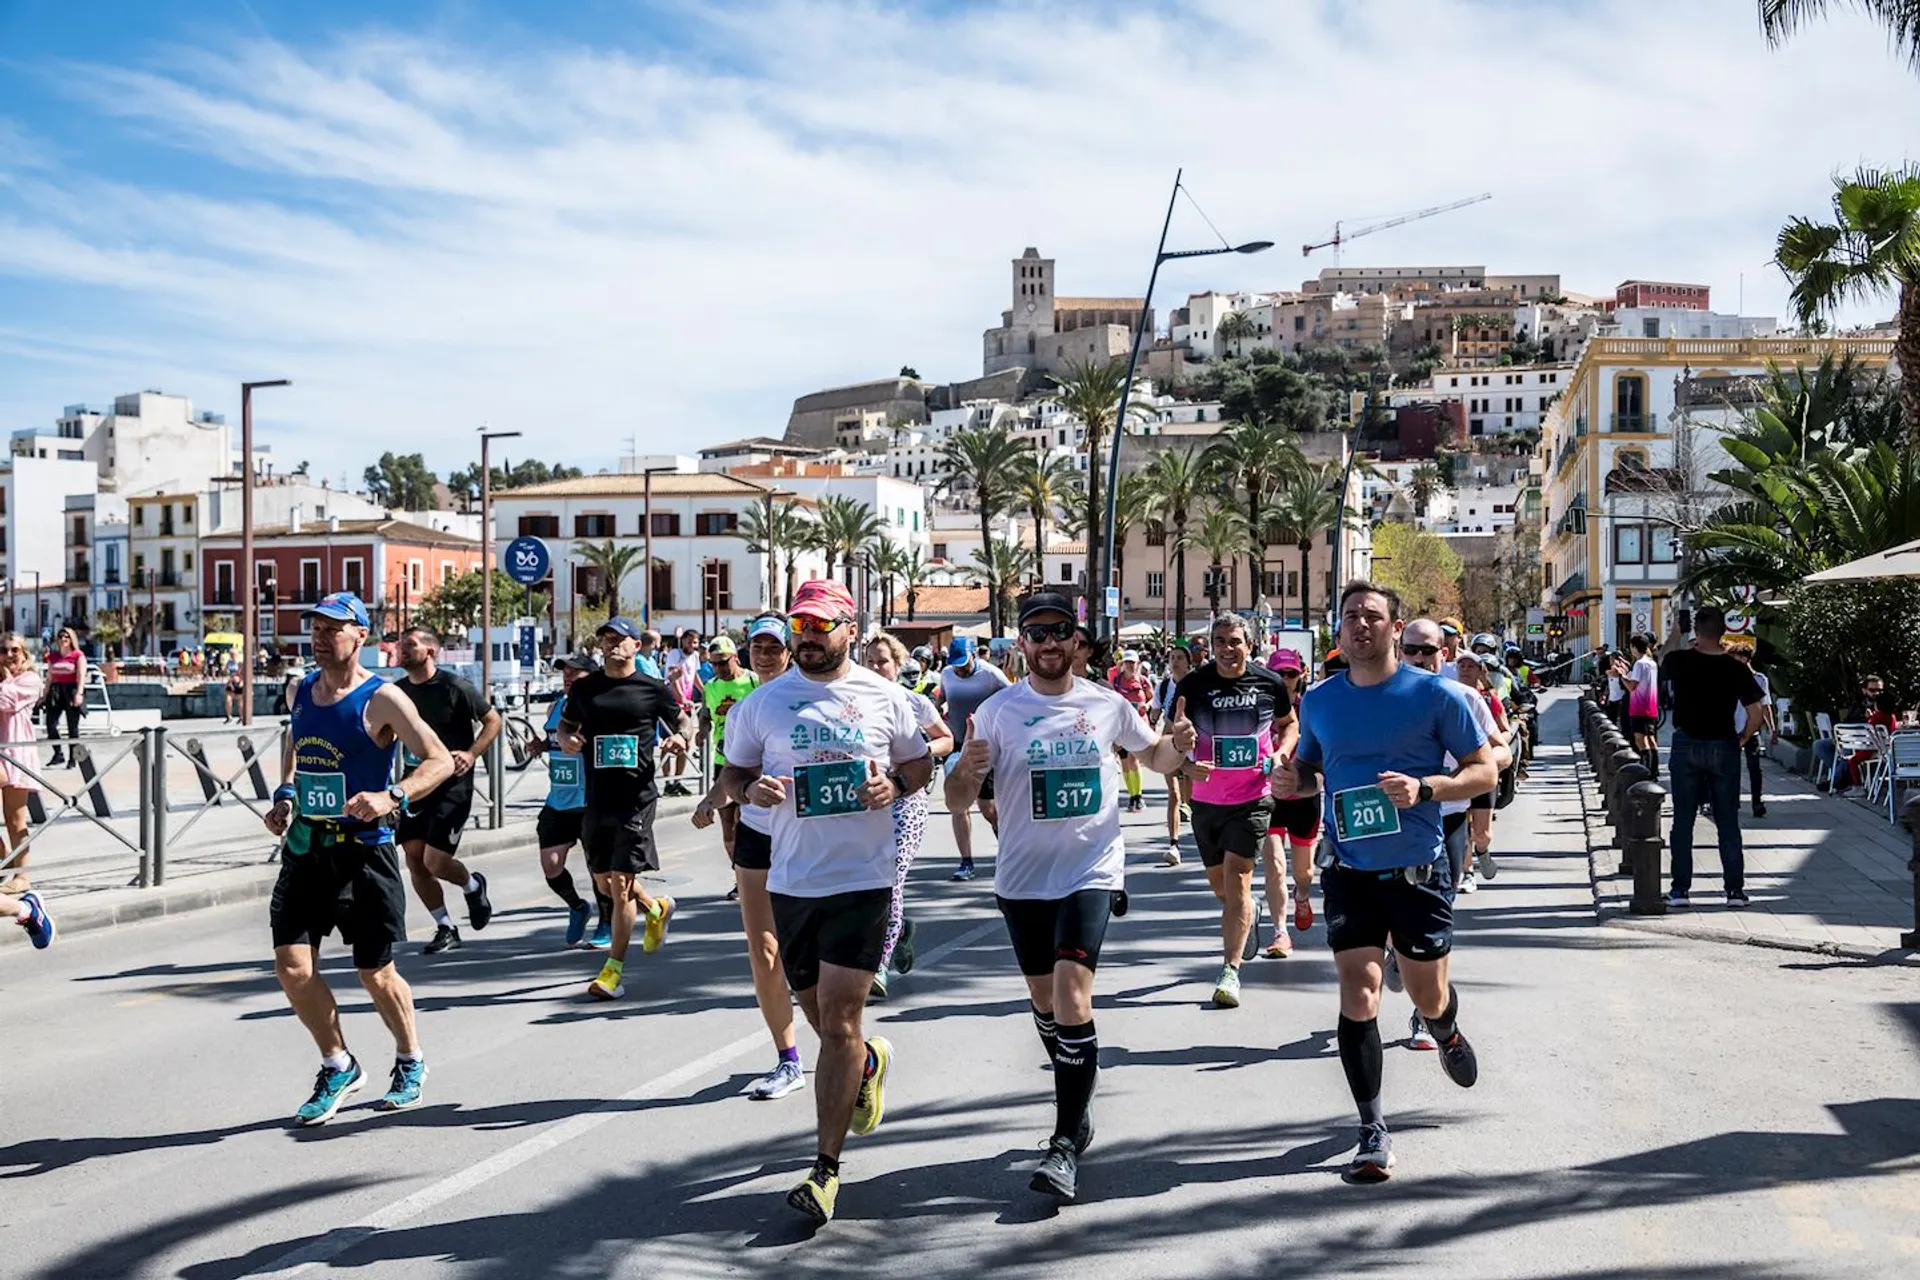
column 1686, row 322
column 96, row 576
column 34, row 492
column 1497, row 400
column 148, row 442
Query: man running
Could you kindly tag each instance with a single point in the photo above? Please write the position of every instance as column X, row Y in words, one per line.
column 752, row 857
column 1242, row 716
column 430, row 830
column 728, row 685
column 829, row 747
column 1132, row 684
column 1050, row 740
column 558, row 827
column 610, row 719
column 337, row 864
column 1378, row 735
column 1293, row 831
column 965, row 683
column 1179, row 785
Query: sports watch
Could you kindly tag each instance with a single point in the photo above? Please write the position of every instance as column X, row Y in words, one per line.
column 1426, row 791
column 398, row 794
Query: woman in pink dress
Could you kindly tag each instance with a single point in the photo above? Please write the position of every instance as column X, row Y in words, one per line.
column 20, row 687
column 66, row 676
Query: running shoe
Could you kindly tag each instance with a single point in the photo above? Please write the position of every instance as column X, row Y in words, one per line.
column 1735, row 902
column 1759, row 810
column 1186, row 812
column 962, row 872
column 1059, row 1170
column 479, row 909
column 1467, row 882
column 577, row 925
column 1677, row 901
column 877, row 989
column 1280, row 948
column 607, row 986
column 1483, row 862
column 1373, row 1160
column 733, row 894
column 815, row 1195
column 445, row 938
column 655, row 932
column 778, row 1083
column 602, row 938
column 903, row 947
column 1171, row 858
column 1393, row 979
column 38, row 922
column 1302, row 910
column 403, row 1090
column 1226, row 992
column 1456, row 1058
column 330, row 1089
column 870, row 1106
column 1418, row 1037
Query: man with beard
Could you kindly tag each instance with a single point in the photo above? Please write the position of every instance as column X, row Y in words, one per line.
column 1049, row 742
column 828, row 747
column 558, row 827
column 430, row 830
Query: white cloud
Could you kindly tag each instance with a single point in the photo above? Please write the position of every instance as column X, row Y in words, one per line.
column 589, row 244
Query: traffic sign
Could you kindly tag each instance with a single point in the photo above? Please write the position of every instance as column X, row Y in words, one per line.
column 1739, row 622
column 529, row 658
column 526, row 560
column 1113, row 602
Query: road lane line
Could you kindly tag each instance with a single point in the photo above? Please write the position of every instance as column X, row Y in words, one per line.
column 341, row 1239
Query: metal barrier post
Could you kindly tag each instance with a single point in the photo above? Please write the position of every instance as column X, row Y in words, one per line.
column 157, row 768
column 254, row 771
column 496, row 783
column 90, row 780
column 1911, row 941
column 1644, row 801
column 197, row 752
column 1625, row 779
column 1610, row 793
column 143, row 760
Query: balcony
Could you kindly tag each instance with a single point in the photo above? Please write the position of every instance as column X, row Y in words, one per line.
column 1629, row 422
column 1574, row 582
column 224, row 598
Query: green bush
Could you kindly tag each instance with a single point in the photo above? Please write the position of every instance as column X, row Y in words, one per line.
column 1837, row 633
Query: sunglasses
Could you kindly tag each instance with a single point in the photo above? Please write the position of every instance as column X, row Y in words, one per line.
column 1420, row 650
column 815, row 626
column 1041, row 632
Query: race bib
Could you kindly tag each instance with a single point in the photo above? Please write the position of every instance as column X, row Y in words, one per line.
column 1239, row 751
column 1065, row 793
column 321, row 795
column 616, row 751
column 829, row 790
column 1364, row 813
column 563, row 770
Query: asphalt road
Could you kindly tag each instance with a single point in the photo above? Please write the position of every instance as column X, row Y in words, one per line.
column 1646, row 1107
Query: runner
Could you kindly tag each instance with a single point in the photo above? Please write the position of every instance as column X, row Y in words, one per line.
column 1179, row 785
column 965, row 683
column 884, row 655
column 752, row 856
column 1131, row 684
column 337, row 863
column 430, row 831
column 1242, row 715
column 30, row 914
column 1292, row 829
column 718, row 697
column 1062, row 863
column 1378, row 735
column 829, row 747
column 558, row 827
column 1471, row 672
column 610, row 719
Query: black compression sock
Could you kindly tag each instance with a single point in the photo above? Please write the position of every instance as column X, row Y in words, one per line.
column 1049, row 1033
column 604, row 905
column 563, row 887
column 1360, row 1055
column 826, row 1164
column 1076, row 1067
column 1442, row 1026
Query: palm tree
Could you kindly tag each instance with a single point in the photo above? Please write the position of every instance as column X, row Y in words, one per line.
column 984, row 464
column 844, row 528
column 913, row 576
column 1258, row 457
column 1134, row 505
column 1871, row 248
column 1235, row 327
column 1779, row 19
column 773, row 527
column 1305, row 509
column 1091, row 392
column 1179, row 477
column 1422, row 485
column 796, row 534
column 1005, row 564
column 1223, row 534
column 886, row 559
column 1044, row 484
column 614, row 563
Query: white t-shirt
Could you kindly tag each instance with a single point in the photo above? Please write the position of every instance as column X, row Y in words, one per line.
column 1646, row 679
column 1616, row 692
column 1482, row 716
column 752, row 816
column 1740, row 712
column 1034, row 739
column 796, row 723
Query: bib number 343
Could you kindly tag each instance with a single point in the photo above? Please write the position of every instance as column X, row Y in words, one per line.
column 827, row 790
column 1364, row 813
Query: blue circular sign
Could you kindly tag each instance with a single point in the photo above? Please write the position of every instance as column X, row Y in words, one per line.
column 526, row 560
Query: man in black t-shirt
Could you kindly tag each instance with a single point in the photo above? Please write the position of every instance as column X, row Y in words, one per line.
column 611, row 720
column 429, row 831
column 1707, row 684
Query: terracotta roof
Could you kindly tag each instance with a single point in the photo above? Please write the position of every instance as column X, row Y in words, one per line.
column 944, row 601
column 391, row 530
column 674, row 484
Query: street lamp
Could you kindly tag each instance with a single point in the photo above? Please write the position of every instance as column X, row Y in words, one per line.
column 646, row 531
column 486, row 558
column 1161, row 254
column 249, row 623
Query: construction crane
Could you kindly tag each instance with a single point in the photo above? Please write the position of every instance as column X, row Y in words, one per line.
column 1340, row 237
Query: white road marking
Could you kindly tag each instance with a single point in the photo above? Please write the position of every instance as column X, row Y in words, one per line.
column 341, row 1239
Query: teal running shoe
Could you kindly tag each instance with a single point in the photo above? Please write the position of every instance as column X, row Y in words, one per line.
column 577, row 925
column 330, row 1089
column 403, row 1091
column 602, row 939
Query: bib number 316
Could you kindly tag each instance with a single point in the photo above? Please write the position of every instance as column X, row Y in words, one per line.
column 828, row 790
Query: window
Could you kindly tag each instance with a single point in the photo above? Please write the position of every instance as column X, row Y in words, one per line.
column 717, row 582
column 660, row 585
column 1271, row 582
column 597, row 525
column 1627, row 544
column 540, row 526
column 186, row 513
column 353, row 576
column 665, row 524
column 715, row 523
column 1156, row 535
column 186, row 561
column 168, row 577
column 916, row 522
column 264, row 580
column 223, row 582
column 939, row 551
column 1630, row 402
column 1156, row 584
column 310, row 580
column 446, row 571
column 1661, row 549
column 140, row 516
column 1215, row 583
column 416, row 575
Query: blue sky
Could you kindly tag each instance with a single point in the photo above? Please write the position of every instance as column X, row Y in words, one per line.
column 598, row 221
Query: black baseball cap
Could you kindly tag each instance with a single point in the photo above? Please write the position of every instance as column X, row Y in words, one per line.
column 576, row 662
column 1045, row 602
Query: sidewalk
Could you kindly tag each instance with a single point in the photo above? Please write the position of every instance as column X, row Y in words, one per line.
column 1826, row 874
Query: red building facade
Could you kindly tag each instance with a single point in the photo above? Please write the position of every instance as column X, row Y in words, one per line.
column 1658, row 293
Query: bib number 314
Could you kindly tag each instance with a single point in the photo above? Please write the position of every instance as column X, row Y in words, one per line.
column 828, row 790
column 1364, row 813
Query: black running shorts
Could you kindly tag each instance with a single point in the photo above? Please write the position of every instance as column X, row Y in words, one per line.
column 1297, row 818
column 558, row 828
column 1045, row 931
column 1365, row 908
column 752, row 850
column 1221, row 829
column 620, row 842
column 844, row 929
column 440, row 817
column 353, row 887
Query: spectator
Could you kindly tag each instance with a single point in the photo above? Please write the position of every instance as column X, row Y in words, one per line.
column 1608, row 664
column 66, row 674
column 1871, row 707
column 1742, row 647
column 647, row 661
column 20, row 689
column 1642, row 680
column 1708, row 685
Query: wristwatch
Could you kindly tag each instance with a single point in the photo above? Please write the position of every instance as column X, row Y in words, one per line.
column 899, row 782
column 1426, row 791
column 398, row 794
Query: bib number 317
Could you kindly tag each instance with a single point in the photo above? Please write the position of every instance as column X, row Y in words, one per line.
column 1364, row 813
column 1065, row 793
column 828, row 790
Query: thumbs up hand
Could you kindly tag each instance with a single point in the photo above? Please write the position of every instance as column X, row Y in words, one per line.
column 1181, row 729
column 976, row 759
column 877, row 792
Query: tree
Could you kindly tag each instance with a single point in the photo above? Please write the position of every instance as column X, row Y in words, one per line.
column 1422, row 485
column 984, row 463
column 1004, row 564
column 908, row 371
column 110, row 631
column 1871, row 248
column 1044, row 485
column 614, row 563
column 1258, row 458
column 1133, row 506
column 764, row 527
column 795, row 531
column 1779, row 19
column 1223, row 534
column 1235, row 327
column 454, row 605
column 1179, row 477
column 1091, row 392
column 846, row 527
column 1420, row 566
column 1307, row 507
column 466, row 481
column 887, row 560
column 400, row 482
column 913, row 576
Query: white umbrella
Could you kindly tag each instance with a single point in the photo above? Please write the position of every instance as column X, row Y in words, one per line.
column 1902, row 561
column 1138, row 631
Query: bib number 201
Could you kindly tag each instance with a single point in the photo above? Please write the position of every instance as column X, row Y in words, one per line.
column 1364, row 813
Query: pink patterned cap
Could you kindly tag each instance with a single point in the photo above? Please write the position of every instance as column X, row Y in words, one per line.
column 823, row 598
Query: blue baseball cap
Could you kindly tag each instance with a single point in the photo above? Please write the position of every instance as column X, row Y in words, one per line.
column 341, row 606
column 768, row 626
column 960, row 649
column 620, row 626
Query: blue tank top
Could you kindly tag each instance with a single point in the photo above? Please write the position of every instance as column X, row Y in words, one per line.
column 566, row 780
column 335, row 758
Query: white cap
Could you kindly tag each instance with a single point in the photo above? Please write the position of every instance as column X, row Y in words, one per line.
column 1129, row 655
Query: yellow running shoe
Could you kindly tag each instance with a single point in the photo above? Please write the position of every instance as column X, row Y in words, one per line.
column 607, row 985
column 655, row 932
column 871, row 1105
column 813, row 1198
